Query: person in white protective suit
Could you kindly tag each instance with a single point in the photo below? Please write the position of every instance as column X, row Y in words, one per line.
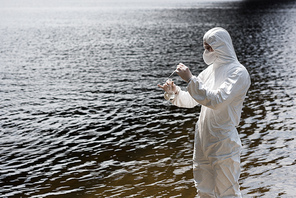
column 220, row 89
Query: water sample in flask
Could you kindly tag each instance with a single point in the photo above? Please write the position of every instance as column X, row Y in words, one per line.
column 170, row 92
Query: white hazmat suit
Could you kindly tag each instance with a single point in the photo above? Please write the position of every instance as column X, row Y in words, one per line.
column 220, row 89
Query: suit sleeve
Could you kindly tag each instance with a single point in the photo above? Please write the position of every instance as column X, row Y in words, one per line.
column 183, row 99
column 237, row 83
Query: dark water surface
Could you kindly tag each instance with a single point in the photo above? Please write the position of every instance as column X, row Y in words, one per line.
column 81, row 115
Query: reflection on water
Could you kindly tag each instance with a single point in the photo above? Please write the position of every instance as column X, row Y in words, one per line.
column 81, row 115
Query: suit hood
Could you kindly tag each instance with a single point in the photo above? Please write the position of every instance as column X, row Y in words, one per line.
column 220, row 40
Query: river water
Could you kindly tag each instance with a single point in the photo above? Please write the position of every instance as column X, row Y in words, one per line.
column 81, row 115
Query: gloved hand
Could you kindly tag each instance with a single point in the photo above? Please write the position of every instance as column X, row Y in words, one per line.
column 169, row 85
column 184, row 72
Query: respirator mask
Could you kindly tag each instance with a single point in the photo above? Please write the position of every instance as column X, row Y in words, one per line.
column 209, row 57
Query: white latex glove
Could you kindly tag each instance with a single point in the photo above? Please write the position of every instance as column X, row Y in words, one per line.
column 184, row 72
column 169, row 85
